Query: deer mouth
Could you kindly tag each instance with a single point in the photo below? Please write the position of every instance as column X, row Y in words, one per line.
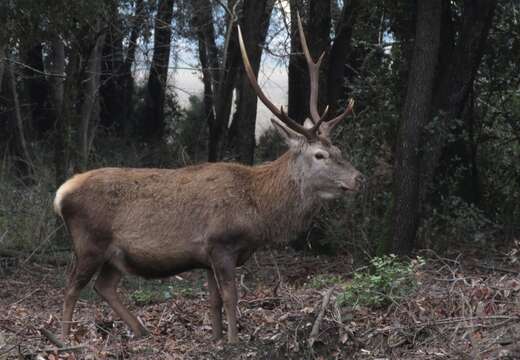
column 347, row 189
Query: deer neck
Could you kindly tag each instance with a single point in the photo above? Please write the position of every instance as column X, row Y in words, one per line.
column 284, row 203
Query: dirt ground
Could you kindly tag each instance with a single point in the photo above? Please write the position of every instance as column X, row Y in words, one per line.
column 465, row 307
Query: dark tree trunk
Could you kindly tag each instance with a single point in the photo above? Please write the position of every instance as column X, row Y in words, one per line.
column 452, row 93
column 298, row 77
column 17, row 129
column 226, row 85
column 416, row 112
column 89, row 109
column 57, row 85
column 338, row 54
column 153, row 120
column 403, row 18
column 127, row 79
column 255, row 22
column 208, row 57
column 318, row 35
column 36, row 91
column 112, row 79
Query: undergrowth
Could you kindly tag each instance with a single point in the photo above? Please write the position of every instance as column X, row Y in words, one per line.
column 388, row 279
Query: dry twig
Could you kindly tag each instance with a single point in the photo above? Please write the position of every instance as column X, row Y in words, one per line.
column 316, row 327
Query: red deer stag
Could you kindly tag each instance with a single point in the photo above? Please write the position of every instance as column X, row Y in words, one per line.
column 159, row 222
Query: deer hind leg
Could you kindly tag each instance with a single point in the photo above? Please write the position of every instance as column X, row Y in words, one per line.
column 225, row 272
column 106, row 287
column 83, row 270
column 215, row 303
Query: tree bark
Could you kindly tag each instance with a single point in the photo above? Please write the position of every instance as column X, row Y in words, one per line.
column 127, row 79
column 57, row 86
column 88, row 113
column 21, row 153
column 416, row 112
column 403, row 19
column 452, row 93
column 208, row 57
column 298, row 77
column 318, row 35
column 226, row 85
column 36, row 90
column 338, row 54
column 112, row 114
column 2, row 63
column 255, row 22
column 153, row 120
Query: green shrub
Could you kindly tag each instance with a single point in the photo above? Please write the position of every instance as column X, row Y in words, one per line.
column 456, row 219
column 324, row 280
column 387, row 280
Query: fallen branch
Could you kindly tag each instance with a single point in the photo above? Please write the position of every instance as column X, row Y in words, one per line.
column 52, row 338
column 61, row 346
column 43, row 258
column 497, row 269
column 449, row 321
column 52, row 350
column 316, row 327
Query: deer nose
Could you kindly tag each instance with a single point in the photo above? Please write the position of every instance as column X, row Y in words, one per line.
column 360, row 181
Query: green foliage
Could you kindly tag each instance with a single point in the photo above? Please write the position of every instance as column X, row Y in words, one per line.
column 149, row 292
column 27, row 221
column 457, row 220
column 388, row 280
column 145, row 296
column 190, row 130
column 321, row 281
column 270, row 145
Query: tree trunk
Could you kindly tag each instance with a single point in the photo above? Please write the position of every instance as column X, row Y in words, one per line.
column 255, row 22
column 20, row 151
column 2, row 63
column 338, row 54
column 113, row 101
column 208, row 57
column 36, row 90
column 318, row 35
column 416, row 112
column 298, row 77
column 403, row 19
column 455, row 85
column 153, row 120
column 88, row 113
column 226, row 85
column 127, row 79
column 57, row 57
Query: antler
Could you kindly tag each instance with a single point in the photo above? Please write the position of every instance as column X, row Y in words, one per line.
column 309, row 133
column 320, row 127
column 327, row 127
column 314, row 73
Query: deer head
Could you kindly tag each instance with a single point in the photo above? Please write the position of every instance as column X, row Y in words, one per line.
column 319, row 165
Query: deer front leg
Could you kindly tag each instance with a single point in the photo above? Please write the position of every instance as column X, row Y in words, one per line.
column 225, row 272
column 215, row 303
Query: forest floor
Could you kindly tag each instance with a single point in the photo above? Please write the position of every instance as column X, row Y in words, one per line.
column 463, row 307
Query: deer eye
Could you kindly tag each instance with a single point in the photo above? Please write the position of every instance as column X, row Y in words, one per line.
column 319, row 156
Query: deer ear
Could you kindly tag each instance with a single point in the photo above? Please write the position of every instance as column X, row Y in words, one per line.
column 291, row 137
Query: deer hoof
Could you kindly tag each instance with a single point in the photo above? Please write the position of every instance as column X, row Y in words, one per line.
column 142, row 333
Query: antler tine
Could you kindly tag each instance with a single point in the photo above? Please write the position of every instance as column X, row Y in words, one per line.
column 280, row 113
column 316, row 127
column 314, row 73
column 327, row 127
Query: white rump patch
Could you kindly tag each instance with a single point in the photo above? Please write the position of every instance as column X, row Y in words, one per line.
column 65, row 189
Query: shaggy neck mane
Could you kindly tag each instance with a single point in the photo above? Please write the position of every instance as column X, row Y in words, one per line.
column 282, row 200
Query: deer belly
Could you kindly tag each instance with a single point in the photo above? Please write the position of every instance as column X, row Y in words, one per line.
column 154, row 265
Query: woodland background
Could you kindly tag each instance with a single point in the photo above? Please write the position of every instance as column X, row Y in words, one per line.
column 85, row 84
